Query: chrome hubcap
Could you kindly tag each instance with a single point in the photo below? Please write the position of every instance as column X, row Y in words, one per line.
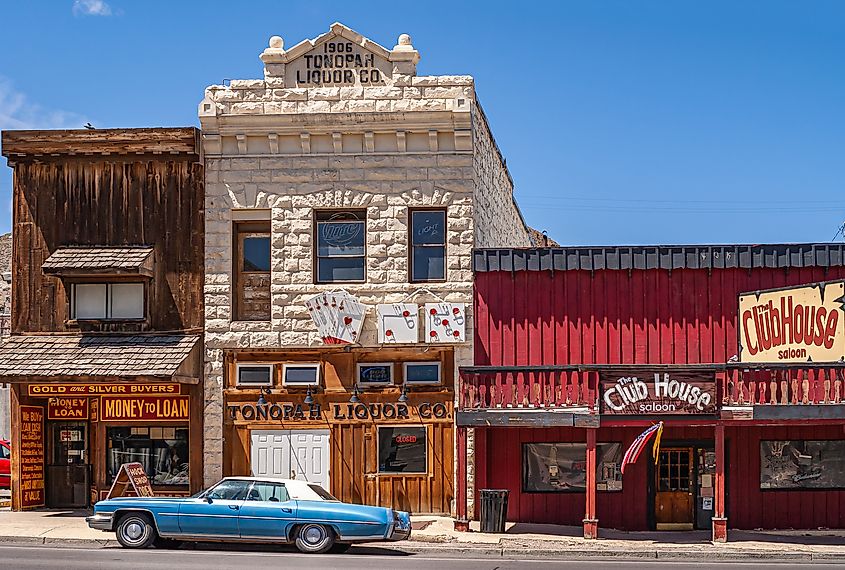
column 313, row 534
column 134, row 531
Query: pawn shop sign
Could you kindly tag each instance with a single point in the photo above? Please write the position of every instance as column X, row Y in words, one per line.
column 131, row 477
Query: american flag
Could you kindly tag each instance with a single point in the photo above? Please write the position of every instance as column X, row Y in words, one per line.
column 637, row 447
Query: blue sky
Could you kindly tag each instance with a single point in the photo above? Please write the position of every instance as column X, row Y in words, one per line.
column 622, row 122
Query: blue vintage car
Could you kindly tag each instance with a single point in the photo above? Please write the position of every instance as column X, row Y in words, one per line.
column 250, row 509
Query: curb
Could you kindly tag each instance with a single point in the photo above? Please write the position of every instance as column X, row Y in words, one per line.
column 505, row 551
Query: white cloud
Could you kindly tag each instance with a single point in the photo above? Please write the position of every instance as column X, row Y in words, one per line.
column 18, row 112
column 91, row 8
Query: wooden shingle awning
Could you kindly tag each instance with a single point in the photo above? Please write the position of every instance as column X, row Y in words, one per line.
column 100, row 260
column 103, row 356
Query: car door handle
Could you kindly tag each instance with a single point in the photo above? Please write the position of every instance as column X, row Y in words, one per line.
column 286, row 510
column 234, row 507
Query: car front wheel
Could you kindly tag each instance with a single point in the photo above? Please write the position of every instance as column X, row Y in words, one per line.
column 135, row 530
column 314, row 539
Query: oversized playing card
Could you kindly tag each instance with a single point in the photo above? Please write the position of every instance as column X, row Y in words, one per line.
column 445, row 322
column 322, row 314
column 349, row 317
column 398, row 323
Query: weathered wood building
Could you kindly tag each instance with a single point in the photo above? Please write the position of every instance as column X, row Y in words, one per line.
column 107, row 310
column 342, row 206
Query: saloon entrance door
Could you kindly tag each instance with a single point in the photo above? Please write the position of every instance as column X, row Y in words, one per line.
column 291, row 454
column 674, row 488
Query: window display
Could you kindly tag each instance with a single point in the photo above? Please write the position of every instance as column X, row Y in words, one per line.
column 803, row 464
column 163, row 451
column 561, row 467
column 402, row 450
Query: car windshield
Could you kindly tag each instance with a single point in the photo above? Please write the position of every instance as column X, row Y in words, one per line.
column 325, row 495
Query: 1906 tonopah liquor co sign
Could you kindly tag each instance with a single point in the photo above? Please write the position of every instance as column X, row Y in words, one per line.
column 648, row 392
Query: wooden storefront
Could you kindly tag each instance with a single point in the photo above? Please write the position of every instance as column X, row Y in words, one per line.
column 104, row 356
column 90, row 429
column 355, row 434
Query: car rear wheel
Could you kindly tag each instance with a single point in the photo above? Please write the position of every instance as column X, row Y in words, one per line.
column 314, row 539
column 135, row 530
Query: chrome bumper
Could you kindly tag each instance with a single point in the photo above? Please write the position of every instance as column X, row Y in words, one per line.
column 400, row 534
column 100, row 521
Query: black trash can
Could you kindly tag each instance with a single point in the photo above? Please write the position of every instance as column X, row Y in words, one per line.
column 494, row 509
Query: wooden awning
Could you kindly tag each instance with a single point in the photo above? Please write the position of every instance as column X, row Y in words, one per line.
column 100, row 260
column 106, row 356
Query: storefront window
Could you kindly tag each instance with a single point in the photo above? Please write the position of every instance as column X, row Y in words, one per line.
column 562, row 467
column 402, row 450
column 163, row 451
column 803, row 464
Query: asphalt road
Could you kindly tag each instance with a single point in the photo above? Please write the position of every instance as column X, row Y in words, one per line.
column 369, row 558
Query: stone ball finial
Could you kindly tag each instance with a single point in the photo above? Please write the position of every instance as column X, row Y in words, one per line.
column 276, row 42
column 404, row 40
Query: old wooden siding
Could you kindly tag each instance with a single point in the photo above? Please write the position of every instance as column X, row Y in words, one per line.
column 625, row 317
column 157, row 200
column 749, row 507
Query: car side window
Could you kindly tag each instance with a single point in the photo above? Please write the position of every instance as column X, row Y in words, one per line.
column 269, row 492
column 229, row 490
column 4, row 453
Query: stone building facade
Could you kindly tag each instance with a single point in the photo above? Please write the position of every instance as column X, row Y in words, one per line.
column 338, row 124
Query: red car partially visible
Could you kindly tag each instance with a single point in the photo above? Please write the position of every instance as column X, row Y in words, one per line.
column 5, row 464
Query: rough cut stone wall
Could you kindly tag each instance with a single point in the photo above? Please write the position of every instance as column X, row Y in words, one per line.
column 498, row 221
column 277, row 152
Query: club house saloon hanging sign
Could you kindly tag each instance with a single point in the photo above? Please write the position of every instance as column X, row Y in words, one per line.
column 798, row 324
column 642, row 392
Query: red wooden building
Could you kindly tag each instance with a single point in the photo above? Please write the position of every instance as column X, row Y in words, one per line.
column 578, row 350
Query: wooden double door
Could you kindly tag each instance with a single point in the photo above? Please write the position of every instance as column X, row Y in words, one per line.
column 674, row 500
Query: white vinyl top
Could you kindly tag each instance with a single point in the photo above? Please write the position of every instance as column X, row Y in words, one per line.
column 296, row 488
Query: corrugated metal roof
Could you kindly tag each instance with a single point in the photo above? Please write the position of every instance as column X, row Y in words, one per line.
column 136, row 355
column 660, row 257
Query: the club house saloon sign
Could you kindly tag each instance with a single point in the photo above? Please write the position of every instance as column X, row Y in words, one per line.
column 643, row 392
column 798, row 324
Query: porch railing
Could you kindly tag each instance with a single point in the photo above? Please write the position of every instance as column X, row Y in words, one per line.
column 531, row 387
column 777, row 385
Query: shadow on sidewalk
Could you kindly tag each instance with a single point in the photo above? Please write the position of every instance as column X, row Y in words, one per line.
column 816, row 537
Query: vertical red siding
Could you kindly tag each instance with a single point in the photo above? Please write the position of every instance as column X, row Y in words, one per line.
column 626, row 317
column 630, row 317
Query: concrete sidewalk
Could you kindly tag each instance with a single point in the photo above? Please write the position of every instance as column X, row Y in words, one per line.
column 436, row 535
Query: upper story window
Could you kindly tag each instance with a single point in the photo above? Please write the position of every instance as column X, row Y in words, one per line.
column 104, row 301
column 252, row 271
column 428, row 245
column 341, row 238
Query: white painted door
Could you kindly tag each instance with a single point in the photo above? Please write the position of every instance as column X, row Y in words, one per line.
column 270, row 453
column 310, row 456
column 291, row 454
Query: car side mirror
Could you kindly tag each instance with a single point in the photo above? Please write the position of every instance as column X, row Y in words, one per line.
column 208, row 499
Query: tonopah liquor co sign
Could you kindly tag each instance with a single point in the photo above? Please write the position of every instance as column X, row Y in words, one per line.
column 798, row 324
column 645, row 392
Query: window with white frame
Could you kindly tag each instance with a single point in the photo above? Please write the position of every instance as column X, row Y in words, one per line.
column 422, row 372
column 375, row 373
column 103, row 301
column 255, row 375
column 305, row 374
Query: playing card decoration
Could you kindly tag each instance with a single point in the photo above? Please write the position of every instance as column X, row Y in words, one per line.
column 338, row 316
column 445, row 322
column 398, row 323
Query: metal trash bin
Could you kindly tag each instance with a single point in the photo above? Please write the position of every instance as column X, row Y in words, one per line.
column 494, row 509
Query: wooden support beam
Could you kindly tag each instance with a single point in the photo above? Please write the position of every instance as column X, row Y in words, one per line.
column 591, row 523
column 461, row 520
column 720, row 522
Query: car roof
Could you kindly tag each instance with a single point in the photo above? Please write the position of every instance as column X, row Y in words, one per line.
column 297, row 488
